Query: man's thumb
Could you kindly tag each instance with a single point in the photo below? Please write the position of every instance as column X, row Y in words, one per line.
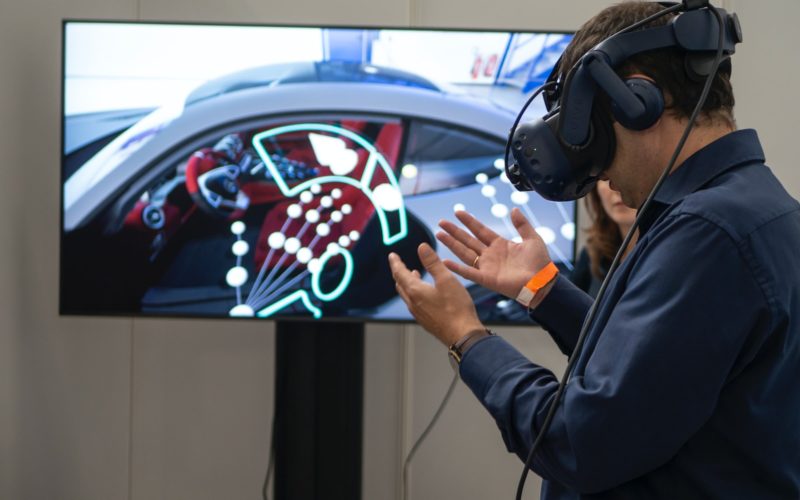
column 431, row 261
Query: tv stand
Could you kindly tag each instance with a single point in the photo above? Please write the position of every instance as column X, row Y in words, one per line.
column 318, row 409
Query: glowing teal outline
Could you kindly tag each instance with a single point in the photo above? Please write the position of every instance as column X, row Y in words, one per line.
column 280, row 304
column 362, row 184
column 348, row 274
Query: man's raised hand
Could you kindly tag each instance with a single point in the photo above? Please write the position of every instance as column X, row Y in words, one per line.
column 490, row 260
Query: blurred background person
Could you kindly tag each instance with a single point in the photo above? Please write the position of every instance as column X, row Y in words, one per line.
column 611, row 220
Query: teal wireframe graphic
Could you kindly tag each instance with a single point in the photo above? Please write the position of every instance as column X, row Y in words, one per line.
column 374, row 160
column 266, row 296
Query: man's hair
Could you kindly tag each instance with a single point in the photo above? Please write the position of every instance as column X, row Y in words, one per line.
column 665, row 66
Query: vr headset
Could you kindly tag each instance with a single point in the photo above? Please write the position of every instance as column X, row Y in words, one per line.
column 561, row 155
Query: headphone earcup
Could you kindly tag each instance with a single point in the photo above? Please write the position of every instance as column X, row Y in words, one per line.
column 650, row 95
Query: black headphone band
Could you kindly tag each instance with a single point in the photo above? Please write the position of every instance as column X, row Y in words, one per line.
column 696, row 32
column 698, row 49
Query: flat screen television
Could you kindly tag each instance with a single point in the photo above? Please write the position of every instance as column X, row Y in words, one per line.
column 267, row 171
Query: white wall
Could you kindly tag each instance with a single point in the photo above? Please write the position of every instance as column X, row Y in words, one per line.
column 115, row 408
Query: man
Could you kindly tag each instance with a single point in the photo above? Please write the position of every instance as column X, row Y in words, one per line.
column 686, row 385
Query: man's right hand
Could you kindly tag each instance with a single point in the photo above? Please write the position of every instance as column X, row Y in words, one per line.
column 490, row 260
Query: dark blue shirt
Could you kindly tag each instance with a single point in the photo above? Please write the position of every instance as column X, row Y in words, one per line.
column 688, row 385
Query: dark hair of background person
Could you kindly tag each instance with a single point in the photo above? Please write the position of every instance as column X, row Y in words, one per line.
column 666, row 67
column 603, row 237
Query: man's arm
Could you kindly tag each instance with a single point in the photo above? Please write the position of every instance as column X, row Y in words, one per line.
column 561, row 313
column 654, row 375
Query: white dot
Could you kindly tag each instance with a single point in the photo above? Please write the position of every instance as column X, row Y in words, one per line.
column 304, row 255
column 336, row 193
column 333, row 247
column 504, row 178
column 240, row 248
column 459, row 207
column 314, row 266
column 276, row 240
column 312, row 216
column 409, row 171
column 292, row 245
column 306, row 197
column 242, row 311
column 294, row 211
column 500, row 164
column 336, row 216
column 517, row 239
column 568, row 231
column 316, row 189
column 520, row 197
column 488, row 190
column 346, row 209
column 481, row 178
column 237, row 227
column 236, row 277
column 354, row 235
column 547, row 234
column 326, row 201
column 499, row 210
column 344, row 241
column 388, row 197
column 323, row 230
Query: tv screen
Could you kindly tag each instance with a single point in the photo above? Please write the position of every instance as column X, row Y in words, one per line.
column 267, row 171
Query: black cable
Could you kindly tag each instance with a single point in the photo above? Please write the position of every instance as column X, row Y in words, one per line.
column 618, row 257
column 270, row 464
column 426, row 432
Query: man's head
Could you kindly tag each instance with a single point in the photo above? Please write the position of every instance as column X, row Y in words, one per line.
column 641, row 155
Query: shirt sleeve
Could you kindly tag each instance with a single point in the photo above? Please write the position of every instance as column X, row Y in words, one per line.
column 655, row 372
column 562, row 312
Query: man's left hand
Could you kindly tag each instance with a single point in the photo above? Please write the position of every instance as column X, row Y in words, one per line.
column 445, row 308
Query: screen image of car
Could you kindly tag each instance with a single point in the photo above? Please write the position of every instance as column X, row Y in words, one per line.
column 234, row 176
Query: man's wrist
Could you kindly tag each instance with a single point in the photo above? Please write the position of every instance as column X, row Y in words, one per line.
column 457, row 349
column 539, row 297
column 531, row 294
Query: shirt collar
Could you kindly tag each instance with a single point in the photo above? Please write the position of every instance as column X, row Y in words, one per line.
column 727, row 152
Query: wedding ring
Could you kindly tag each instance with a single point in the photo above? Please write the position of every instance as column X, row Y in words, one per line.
column 475, row 262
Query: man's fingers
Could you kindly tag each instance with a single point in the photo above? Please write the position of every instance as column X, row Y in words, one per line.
column 462, row 236
column 403, row 295
column 432, row 262
column 483, row 233
column 466, row 272
column 524, row 227
column 402, row 276
column 466, row 255
column 405, row 280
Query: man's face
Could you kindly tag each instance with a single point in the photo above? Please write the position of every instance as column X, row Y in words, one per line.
column 631, row 171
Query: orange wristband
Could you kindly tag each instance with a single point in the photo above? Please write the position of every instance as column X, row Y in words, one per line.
column 539, row 281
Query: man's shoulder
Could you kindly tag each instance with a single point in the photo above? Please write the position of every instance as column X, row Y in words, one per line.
column 743, row 200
